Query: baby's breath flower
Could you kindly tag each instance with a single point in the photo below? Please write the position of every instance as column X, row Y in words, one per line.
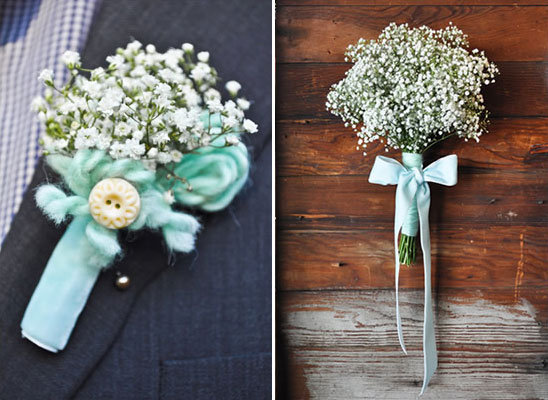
column 413, row 87
column 214, row 106
column 250, row 126
column 233, row 87
column 203, row 56
column 46, row 76
column 71, row 59
column 133, row 47
column 187, row 47
column 176, row 155
column 243, row 104
column 231, row 140
column 200, row 71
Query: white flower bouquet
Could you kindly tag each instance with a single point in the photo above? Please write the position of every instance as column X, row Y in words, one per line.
column 131, row 142
column 412, row 88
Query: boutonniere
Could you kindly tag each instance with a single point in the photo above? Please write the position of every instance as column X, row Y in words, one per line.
column 412, row 88
column 136, row 144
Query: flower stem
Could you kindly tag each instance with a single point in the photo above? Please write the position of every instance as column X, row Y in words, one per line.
column 407, row 249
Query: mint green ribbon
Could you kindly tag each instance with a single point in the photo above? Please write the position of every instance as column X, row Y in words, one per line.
column 412, row 188
column 63, row 289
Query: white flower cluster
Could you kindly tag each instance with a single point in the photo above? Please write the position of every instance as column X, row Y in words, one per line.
column 413, row 87
column 146, row 105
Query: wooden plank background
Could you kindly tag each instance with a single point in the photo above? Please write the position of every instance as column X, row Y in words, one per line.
column 335, row 309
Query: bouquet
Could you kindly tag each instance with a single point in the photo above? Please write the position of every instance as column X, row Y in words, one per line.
column 412, row 88
column 133, row 142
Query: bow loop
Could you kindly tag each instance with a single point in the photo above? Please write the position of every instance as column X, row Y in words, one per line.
column 442, row 171
column 386, row 171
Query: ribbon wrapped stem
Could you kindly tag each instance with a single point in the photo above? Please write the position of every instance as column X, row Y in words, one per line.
column 63, row 289
column 408, row 238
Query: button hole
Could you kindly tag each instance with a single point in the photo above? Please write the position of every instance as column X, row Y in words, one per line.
column 117, row 205
column 108, row 202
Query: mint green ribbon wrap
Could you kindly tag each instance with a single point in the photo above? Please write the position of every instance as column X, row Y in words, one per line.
column 216, row 173
column 410, row 225
column 412, row 189
column 63, row 289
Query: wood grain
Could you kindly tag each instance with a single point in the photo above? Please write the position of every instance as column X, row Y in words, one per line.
column 321, row 34
column 346, row 345
column 462, row 257
column 480, row 197
column 520, row 90
column 326, row 147
column 516, row 3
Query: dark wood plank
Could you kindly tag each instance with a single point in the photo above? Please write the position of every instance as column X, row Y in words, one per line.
column 326, row 147
column 481, row 197
column 321, row 34
column 462, row 257
column 411, row 2
column 520, row 90
column 344, row 345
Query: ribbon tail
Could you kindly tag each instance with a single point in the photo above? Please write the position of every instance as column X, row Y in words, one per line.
column 429, row 335
column 403, row 203
column 63, row 289
column 398, row 316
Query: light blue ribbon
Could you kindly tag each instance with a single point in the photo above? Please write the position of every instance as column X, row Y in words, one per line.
column 412, row 188
column 63, row 289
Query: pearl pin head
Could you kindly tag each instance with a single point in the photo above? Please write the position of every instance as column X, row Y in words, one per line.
column 114, row 203
column 122, row 282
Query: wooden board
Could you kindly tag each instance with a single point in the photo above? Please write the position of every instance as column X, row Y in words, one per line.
column 411, row 2
column 346, row 347
column 321, row 34
column 511, row 257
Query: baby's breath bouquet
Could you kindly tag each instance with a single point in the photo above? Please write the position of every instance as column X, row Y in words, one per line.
column 134, row 143
column 412, row 88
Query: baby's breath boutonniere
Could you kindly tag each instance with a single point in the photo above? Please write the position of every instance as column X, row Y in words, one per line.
column 133, row 142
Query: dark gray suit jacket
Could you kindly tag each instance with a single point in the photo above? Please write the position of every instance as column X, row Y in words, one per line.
column 194, row 327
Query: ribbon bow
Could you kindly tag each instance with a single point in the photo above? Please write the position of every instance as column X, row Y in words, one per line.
column 413, row 186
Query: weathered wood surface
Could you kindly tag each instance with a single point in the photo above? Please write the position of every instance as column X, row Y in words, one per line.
column 520, row 90
column 489, row 233
column 411, row 2
column 326, row 147
column 344, row 346
column 512, row 257
column 321, row 34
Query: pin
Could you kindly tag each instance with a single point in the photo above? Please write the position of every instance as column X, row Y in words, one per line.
column 122, row 281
